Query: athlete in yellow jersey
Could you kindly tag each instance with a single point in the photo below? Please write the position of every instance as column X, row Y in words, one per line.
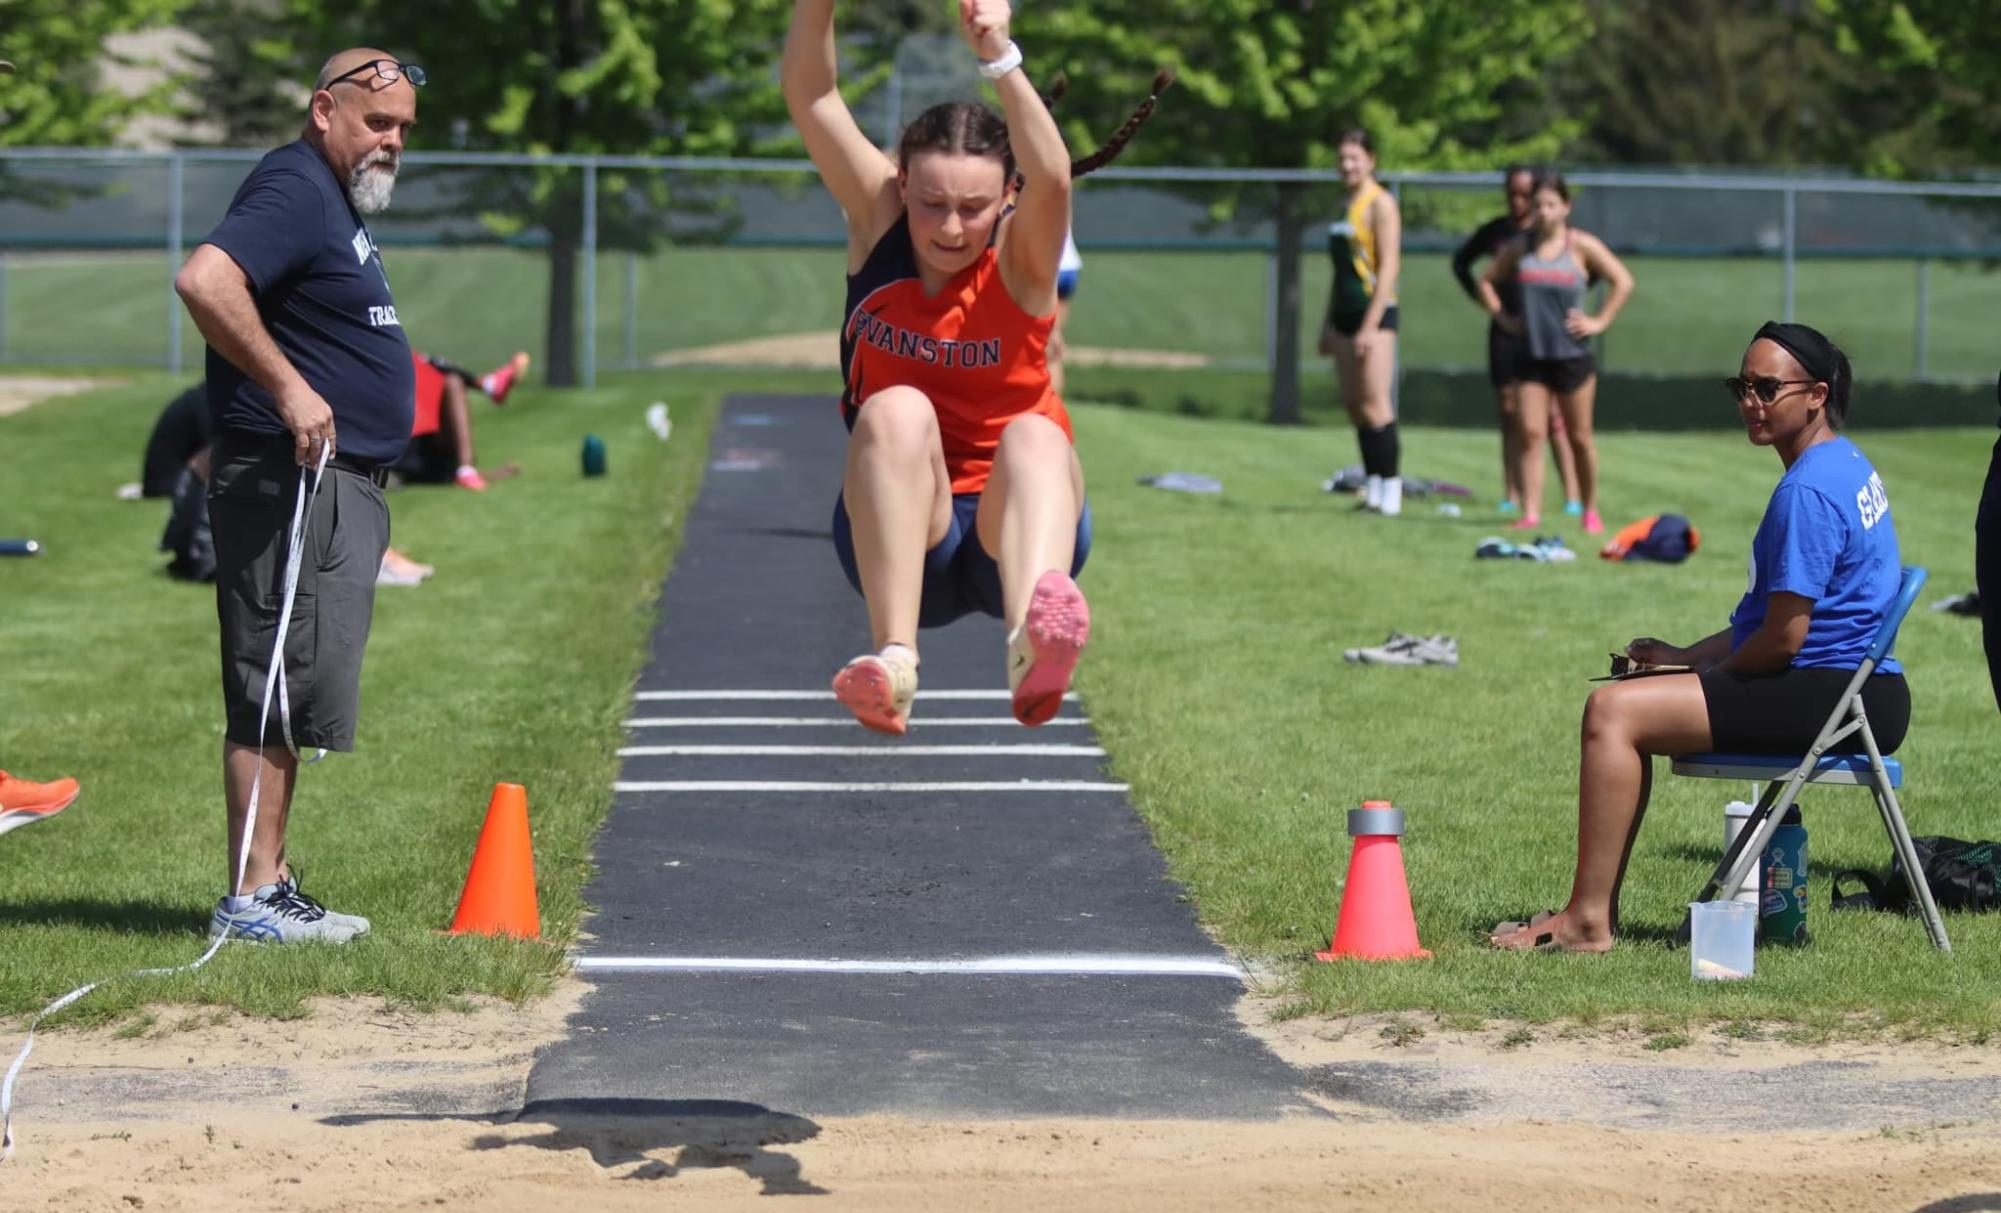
column 1361, row 328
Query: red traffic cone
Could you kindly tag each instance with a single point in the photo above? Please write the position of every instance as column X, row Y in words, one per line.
column 499, row 895
column 1376, row 922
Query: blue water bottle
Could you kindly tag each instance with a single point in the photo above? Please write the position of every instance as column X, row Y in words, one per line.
column 593, row 455
column 1782, row 883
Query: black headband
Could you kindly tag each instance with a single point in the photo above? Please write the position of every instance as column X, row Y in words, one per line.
column 1814, row 353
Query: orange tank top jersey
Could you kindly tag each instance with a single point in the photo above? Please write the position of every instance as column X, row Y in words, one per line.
column 971, row 349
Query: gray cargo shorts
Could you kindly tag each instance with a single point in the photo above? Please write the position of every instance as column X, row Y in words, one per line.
column 253, row 488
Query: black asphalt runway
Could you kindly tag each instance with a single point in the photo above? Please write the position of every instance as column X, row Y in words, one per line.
column 756, row 874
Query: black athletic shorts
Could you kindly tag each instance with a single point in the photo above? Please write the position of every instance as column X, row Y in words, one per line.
column 252, row 490
column 1351, row 323
column 1507, row 356
column 1783, row 713
column 1563, row 375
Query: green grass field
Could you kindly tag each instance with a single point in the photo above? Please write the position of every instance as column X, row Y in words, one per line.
column 479, row 305
column 1215, row 678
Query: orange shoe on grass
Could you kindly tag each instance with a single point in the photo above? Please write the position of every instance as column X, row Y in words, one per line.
column 878, row 688
column 1043, row 652
column 24, row 803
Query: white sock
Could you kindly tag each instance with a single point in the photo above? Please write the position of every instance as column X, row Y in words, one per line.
column 467, row 469
column 908, row 654
column 1372, row 496
column 1392, row 502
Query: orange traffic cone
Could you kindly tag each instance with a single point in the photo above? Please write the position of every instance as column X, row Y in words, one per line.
column 499, row 897
column 1375, row 922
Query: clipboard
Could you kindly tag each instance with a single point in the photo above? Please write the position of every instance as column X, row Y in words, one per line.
column 1624, row 668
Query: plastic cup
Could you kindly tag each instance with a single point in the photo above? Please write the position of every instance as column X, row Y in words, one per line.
column 1722, row 940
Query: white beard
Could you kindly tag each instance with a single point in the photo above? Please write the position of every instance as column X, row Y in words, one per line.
column 369, row 187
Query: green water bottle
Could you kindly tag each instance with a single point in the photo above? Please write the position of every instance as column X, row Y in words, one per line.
column 1782, row 883
column 593, row 455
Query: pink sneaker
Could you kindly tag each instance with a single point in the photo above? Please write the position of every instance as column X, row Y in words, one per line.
column 469, row 478
column 878, row 688
column 1593, row 524
column 1527, row 522
column 1043, row 653
column 497, row 383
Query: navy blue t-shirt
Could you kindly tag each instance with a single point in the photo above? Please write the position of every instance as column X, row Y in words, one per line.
column 323, row 294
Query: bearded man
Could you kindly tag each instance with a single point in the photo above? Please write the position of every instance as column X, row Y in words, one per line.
column 306, row 361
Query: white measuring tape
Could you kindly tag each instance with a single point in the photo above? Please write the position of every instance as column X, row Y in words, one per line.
column 274, row 681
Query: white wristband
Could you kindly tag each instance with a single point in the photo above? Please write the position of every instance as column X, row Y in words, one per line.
column 994, row 69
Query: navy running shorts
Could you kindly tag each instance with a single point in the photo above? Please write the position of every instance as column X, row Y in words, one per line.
column 960, row 578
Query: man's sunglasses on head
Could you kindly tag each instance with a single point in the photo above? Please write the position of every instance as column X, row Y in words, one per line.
column 386, row 70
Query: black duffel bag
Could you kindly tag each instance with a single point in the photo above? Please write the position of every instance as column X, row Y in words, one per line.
column 1963, row 876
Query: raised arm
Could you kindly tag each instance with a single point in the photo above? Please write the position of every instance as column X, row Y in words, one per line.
column 1032, row 240
column 861, row 179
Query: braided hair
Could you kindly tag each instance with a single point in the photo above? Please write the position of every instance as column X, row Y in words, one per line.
column 971, row 128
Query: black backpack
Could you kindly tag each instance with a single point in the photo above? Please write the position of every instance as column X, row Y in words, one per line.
column 1962, row 875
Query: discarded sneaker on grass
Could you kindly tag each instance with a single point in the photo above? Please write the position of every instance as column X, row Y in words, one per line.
column 1183, row 482
column 1402, row 649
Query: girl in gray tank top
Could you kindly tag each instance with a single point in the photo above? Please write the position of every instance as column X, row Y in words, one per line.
column 1551, row 289
column 1551, row 269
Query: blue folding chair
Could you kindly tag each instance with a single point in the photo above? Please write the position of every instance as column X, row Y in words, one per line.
column 1784, row 776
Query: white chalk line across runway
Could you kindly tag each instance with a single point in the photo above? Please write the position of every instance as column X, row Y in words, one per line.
column 922, row 696
column 798, row 722
column 793, row 786
column 862, row 751
column 1083, row 965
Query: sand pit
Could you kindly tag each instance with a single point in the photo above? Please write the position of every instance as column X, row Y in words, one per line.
column 21, row 392
column 360, row 1108
column 822, row 351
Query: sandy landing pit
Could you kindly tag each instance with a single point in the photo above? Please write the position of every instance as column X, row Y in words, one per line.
column 360, row 1109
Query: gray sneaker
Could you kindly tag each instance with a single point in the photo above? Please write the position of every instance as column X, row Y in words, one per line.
column 280, row 913
column 1401, row 649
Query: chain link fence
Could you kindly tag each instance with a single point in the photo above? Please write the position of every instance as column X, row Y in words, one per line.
column 686, row 262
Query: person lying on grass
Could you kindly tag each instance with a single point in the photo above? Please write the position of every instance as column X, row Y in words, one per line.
column 1824, row 574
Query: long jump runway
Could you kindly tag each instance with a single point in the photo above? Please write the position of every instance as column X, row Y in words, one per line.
column 797, row 914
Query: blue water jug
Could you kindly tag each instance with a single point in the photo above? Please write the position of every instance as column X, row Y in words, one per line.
column 1782, row 883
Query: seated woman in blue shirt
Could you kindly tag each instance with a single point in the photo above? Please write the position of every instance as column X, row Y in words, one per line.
column 1824, row 573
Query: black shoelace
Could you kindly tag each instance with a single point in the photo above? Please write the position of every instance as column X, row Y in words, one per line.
column 291, row 903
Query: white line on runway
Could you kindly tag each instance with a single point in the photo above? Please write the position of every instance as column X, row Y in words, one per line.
column 871, row 751
column 794, row 722
column 780, row 785
column 688, row 696
column 1081, row 965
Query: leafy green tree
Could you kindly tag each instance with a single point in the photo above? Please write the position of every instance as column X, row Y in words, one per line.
column 625, row 77
column 1271, row 83
column 56, row 96
column 249, row 80
column 1709, row 82
column 1935, row 66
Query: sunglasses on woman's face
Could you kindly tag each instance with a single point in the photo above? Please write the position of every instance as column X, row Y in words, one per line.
column 1765, row 387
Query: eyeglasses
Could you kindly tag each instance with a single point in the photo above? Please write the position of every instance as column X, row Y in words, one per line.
column 1764, row 386
column 386, row 70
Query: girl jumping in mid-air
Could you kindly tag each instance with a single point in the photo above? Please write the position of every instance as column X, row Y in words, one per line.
column 963, row 491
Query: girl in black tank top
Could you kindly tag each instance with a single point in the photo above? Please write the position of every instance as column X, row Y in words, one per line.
column 1553, row 267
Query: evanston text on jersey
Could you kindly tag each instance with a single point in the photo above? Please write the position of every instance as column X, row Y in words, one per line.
column 905, row 344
